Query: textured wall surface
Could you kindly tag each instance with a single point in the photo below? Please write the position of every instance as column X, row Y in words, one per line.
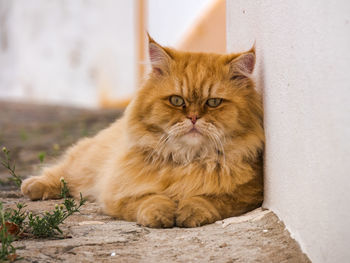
column 66, row 51
column 304, row 71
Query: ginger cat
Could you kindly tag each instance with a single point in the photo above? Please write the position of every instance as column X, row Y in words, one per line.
column 187, row 152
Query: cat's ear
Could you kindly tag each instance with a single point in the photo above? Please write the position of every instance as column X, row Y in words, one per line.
column 160, row 59
column 243, row 65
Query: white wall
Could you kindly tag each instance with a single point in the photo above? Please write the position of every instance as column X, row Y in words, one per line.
column 66, row 51
column 304, row 70
column 169, row 20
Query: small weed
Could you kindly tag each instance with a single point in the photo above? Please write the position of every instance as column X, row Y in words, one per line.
column 7, row 164
column 24, row 135
column 42, row 156
column 47, row 224
column 16, row 216
column 64, row 189
column 15, row 223
column 56, row 147
column 8, row 251
column 2, row 182
column 84, row 131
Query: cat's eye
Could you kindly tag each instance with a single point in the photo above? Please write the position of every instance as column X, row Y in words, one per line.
column 176, row 100
column 214, row 102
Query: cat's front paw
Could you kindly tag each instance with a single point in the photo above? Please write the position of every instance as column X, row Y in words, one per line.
column 157, row 211
column 194, row 212
column 37, row 188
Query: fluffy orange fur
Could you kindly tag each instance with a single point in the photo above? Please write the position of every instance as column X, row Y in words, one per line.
column 162, row 164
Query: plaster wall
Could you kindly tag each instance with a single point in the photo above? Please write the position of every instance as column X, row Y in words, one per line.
column 303, row 69
column 169, row 20
column 67, row 52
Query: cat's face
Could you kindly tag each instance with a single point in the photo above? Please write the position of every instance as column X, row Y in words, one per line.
column 195, row 102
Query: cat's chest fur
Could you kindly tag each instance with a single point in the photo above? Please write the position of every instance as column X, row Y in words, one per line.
column 209, row 176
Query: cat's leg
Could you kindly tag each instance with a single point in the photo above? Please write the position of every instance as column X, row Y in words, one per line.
column 196, row 211
column 45, row 186
column 151, row 210
column 201, row 210
column 156, row 211
column 48, row 184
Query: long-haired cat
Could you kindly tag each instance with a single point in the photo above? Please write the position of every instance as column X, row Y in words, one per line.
column 187, row 151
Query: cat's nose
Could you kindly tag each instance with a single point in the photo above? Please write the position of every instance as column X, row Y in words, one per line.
column 193, row 118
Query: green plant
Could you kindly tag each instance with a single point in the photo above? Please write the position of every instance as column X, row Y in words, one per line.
column 47, row 225
column 41, row 156
column 16, row 216
column 8, row 251
column 7, row 164
column 24, row 135
column 64, row 189
column 14, row 222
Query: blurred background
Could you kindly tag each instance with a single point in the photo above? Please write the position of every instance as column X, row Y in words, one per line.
column 92, row 53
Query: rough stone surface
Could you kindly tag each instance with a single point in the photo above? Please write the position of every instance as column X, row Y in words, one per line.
column 93, row 237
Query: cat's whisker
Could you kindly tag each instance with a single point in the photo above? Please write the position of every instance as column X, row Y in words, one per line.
column 154, row 150
column 162, row 145
column 222, row 148
column 162, row 142
column 164, row 138
column 214, row 134
column 218, row 147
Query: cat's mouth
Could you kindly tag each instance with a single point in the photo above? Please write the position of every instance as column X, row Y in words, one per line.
column 193, row 137
column 194, row 132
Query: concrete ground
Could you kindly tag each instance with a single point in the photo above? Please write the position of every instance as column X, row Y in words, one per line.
column 90, row 236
